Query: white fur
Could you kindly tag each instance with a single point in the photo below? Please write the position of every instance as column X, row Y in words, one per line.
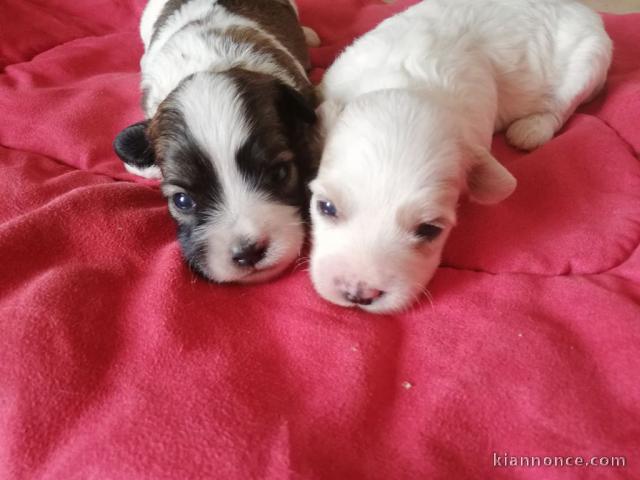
column 150, row 15
column 410, row 113
column 152, row 172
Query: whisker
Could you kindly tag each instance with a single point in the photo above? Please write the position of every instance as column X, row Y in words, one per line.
column 422, row 291
column 429, row 296
column 301, row 262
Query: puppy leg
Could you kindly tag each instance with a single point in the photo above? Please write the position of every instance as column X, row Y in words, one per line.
column 530, row 132
column 581, row 80
column 312, row 38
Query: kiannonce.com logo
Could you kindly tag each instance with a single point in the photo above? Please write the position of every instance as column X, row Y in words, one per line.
column 506, row 460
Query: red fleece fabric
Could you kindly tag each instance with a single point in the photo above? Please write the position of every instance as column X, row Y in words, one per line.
column 116, row 362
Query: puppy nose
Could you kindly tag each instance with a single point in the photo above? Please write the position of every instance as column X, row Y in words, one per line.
column 248, row 254
column 363, row 295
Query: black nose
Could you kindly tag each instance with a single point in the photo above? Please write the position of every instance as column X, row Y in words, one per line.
column 362, row 298
column 248, row 254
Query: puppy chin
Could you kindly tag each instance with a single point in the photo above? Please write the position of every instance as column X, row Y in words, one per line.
column 285, row 246
column 259, row 276
column 275, row 267
column 254, row 275
column 402, row 286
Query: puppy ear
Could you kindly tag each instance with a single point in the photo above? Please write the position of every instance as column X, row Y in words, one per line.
column 293, row 105
column 487, row 180
column 133, row 147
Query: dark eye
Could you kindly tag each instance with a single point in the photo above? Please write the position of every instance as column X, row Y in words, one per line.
column 327, row 208
column 183, row 202
column 428, row 232
column 280, row 173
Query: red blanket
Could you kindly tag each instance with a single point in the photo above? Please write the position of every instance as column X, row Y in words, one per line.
column 116, row 362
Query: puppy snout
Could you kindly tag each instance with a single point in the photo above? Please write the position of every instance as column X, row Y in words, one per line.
column 362, row 294
column 248, row 254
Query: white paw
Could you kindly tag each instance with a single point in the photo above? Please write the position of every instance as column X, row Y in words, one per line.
column 311, row 37
column 532, row 131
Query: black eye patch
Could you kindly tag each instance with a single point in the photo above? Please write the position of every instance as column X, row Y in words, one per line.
column 281, row 121
column 281, row 174
column 270, row 167
column 184, row 164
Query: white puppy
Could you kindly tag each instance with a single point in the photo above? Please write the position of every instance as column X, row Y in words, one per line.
column 410, row 111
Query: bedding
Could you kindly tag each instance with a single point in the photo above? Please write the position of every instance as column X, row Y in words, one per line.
column 116, row 362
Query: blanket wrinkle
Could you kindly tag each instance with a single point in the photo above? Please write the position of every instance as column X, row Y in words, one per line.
column 632, row 148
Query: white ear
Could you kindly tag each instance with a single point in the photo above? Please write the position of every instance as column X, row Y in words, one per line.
column 328, row 113
column 487, row 180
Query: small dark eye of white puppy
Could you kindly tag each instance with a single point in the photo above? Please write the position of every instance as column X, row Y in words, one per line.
column 408, row 119
column 428, row 232
column 326, row 208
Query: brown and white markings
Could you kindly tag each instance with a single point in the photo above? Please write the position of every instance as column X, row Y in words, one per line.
column 229, row 129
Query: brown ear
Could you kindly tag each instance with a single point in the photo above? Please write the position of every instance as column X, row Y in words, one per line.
column 488, row 181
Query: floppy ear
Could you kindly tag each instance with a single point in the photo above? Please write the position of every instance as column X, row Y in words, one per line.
column 292, row 104
column 487, row 180
column 133, row 147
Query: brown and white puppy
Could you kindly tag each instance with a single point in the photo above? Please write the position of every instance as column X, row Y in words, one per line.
column 230, row 114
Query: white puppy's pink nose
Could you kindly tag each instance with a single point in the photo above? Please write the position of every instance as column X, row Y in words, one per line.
column 361, row 293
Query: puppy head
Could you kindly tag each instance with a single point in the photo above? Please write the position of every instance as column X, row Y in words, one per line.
column 234, row 161
column 385, row 198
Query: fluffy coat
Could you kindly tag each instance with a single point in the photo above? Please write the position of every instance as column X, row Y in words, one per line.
column 410, row 111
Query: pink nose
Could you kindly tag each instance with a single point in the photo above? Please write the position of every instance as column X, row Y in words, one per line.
column 362, row 294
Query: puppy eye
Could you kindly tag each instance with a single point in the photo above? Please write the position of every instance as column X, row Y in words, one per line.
column 428, row 232
column 327, row 208
column 184, row 202
column 280, row 173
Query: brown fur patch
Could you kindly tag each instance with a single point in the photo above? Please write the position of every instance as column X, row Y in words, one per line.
column 262, row 45
column 276, row 17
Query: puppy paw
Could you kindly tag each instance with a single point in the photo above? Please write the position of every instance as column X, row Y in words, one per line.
column 532, row 131
column 311, row 37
